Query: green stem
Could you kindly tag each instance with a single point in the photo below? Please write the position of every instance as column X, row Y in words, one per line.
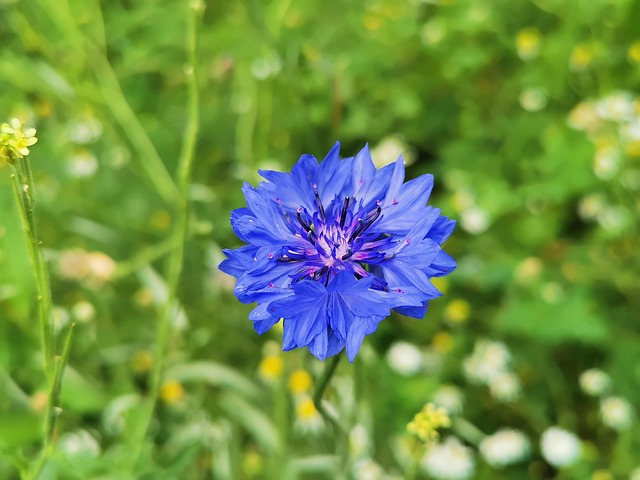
column 23, row 194
column 179, row 234
column 52, row 410
column 321, row 386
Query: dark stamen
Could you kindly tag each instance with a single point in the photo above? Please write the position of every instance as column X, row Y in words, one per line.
column 345, row 208
column 320, row 207
column 348, row 254
column 320, row 272
column 357, row 231
column 304, row 224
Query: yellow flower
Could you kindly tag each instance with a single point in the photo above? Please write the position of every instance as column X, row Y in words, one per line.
column 633, row 149
column 427, row 422
column 306, row 410
column 172, row 392
column 443, row 342
column 457, row 311
column 581, row 57
column 528, row 43
column 270, row 367
column 602, row 475
column 634, row 52
column 142, row 361
column 300, row 382
column 15, row 140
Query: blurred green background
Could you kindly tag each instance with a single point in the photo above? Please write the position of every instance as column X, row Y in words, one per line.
column 526, row 112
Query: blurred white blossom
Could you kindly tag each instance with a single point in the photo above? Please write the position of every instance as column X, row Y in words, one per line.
column 616, row 413
column 560, row 447
column 450, row 460
column 505, row 387
column 404, row 358
column 505, row 447
column 594, row 382
column 450, row 398
column 488, row 360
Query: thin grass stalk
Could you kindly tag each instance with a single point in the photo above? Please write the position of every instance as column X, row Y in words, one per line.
column 179, row 234
column 23, row 194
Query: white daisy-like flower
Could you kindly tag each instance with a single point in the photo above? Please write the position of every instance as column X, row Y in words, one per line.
column 475, row 220
column 505, row 387
column 560, row 447
column 594, row 382
column 618, row 107
column 450, row 398
column 616, row 413
column 449, row 460
column 79, row 444
column 488, row 360
column 404, row 358
column 367, row 469
column 505, row 447
column 389, row 149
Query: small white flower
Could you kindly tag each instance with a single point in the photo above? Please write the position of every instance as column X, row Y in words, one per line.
column 404, row 358
column 616, row 413
column 389, row 150
column 606, row 162
column 450, row 398
column 79, row 444
column 475, row 220
column 450, row 460
column 617, row 107
column 560, row 447
column 505, row 447
column 83, row 311
column 594, row 382
column 367, row 469
column 83, row 165
column 591, row 206
column 359, row 441
column 533, row 99
column 505, row 387
column 487, row 361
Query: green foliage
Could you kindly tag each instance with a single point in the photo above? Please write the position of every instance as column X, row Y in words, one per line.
column 526, row 113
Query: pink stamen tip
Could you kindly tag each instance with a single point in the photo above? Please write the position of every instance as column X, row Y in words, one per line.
column 395, row 202
column 271, row 255
column 379, row 202
column 400, row 290
column 315, row 186
column 361, row 181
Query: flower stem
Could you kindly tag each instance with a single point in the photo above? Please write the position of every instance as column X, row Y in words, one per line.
column 23, row 194
column 178, row 236
column 318, row 393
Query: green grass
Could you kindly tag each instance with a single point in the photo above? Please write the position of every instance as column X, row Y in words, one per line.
column 151, row 115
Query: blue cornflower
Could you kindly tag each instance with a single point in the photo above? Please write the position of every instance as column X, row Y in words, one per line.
column 333, row 247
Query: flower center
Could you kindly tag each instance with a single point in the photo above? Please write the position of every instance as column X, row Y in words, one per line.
column 340, row 238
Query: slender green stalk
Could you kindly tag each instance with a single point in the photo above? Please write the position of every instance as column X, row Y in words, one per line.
column 179, row 234
column 52, row 410
column 23, row 194
column 318, row 393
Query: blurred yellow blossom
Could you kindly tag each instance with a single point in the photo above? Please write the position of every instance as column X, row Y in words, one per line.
column 581, row 57
column 38, row 401
column 427, row 422
column 457, row 311
column 300, row 382
column 172, row 392
column 270, row 367
column 634, row 52
column 443, row 342
column 602, row 475
column 528, row 43
column 142, row 361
